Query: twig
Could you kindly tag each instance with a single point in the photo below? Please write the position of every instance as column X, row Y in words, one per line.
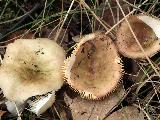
column 56, row 37
column 26, row 16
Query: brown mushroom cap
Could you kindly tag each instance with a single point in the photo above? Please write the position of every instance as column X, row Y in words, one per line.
column 94, row 68
column 31, row 67
column 147, row 31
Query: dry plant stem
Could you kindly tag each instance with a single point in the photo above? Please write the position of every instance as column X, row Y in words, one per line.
column 152, row 7
column 133, row 5
column 32, row 27
column 61, row 21
column 97, row 18
column 22, row 19
column 2, row 12
column 81, row 20
column 149, row 98
column 54, row 29
column 67, row 27
column 29, row 30
column 101, row 17
column 21, row 8
column 114, row 21
column 144, row 82
column 18, row 113
column 128, row 9
column 121, row 99
column 123, row 19
column 137, row 39
column 42, row 21
column 26, row 14
column 148, row 80
column 88, row 18
column 118, row 17
column 92, row 112
column 56, row 37
column 62, row 9
column 138, row 106
column 150, row 95
column 57, row 112
column 134, row 2
column 22, row 35
column 158, row 16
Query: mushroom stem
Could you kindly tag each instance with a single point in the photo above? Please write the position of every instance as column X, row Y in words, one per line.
column 14, row 108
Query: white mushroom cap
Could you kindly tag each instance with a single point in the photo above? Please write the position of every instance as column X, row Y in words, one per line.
column 147, row 31
column 41, row 105
column 31, row 67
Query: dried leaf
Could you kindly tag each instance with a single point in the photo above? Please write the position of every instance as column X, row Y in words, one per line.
column 51, row 34
column 2, row 113
column 127, row 113
column 63, row 115
column 93, row 110
column 25, row 34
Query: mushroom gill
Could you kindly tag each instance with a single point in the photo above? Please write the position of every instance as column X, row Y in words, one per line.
column 41, row 104
column 147, row 31
column 94, row 68
column 31, row 67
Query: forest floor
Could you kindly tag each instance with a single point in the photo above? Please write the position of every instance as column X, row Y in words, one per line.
column 138, row 95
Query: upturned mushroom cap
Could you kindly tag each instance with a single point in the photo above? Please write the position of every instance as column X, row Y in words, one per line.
column 31, row 67
column 147, row 31
column 94, row 69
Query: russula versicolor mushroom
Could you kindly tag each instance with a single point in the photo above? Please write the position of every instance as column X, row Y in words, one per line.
column 147, row 32
column 94, row 68
column 31, row 67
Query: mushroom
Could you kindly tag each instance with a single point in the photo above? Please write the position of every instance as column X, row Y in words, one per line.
column 94, row 68
column 31, row 67
column 147, row 31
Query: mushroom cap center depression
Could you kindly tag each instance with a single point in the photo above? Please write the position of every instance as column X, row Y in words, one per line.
column 31, row 67
column 95, row 69
column 142, row 31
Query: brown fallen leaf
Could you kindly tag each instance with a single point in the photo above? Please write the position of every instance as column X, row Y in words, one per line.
column 45, row 33
column 126, row 113
column 51, row 34
column 83, row 109
column 25, row 34
column 63, row 115
column 2, row 113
